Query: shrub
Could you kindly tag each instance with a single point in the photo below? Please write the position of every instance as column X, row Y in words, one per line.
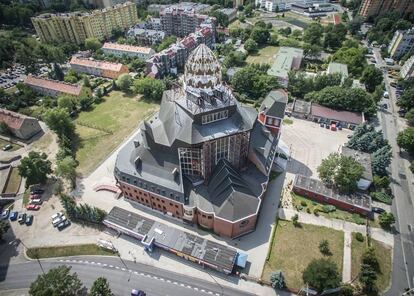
column 303, row 203
column 295, row 220
column 382, row 197
column 308, row 211
column 328, row 208
column 359, row 236
column 358, row 219
column 316, row 211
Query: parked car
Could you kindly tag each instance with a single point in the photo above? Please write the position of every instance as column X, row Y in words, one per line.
column 58, row 220
column 378, row 210
column 35, row 196
column 349, row 136
column 5, row 214
column 384, row 106
column 13, row 216
column 22, row 218
column 29, row 220
column 393, row 84
column 63, row 225
column 322, row 124
column 32, row 207
column 37, row 191
column 136, row 292
column 7, row 147
column 327, row 126
column 35, row 201
column 57, row 215
column 333, row 127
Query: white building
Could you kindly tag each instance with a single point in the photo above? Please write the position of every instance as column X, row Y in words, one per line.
column 408, row 68
column 287, row 59
column 128, row 50
column 402, row 42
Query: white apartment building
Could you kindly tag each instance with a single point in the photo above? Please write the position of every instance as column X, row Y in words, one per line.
column 402, row 42
column 408, row 68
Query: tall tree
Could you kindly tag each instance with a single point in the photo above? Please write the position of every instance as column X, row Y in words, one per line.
column 59, row 121
column 152, row 89
column 100, row 287
column 92, row 44
column 405, row 139
column 56, row 282
column 381, row 159
column 35, row 167
column 124, row 82
column 313, row 34
column 66, row 168
column 322, row 274
column 371, row 77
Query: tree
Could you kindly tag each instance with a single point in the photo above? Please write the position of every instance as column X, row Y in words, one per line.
column 152, row 89
column 341, row 171
column 4, row 129
column 92, row 44
column 369, row 270
column 100, row 287
column 366, row 139
column 57, row 72
column 381, row 159
column 250, row 45
column 321, row 274
column 371, row 77
column 35, row 167
column 355, row 24
column 57, row 282
column 234, row 59
column 66, row 102
column 4, row 227
column 311, row 51
column 324, row 247
column 124, row 82
column 277, row 280
column 405, row 139
column 86, row 82
column 409, row 116
column 59, row 121
column 313, row 34
column 295, row 220
column 260, row 35
column 386, row 220
column 86, row 101
column 353, row 57
column 66, row 168
column 166, row 43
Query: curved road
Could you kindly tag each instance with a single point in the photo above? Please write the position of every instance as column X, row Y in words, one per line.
column 122, row 276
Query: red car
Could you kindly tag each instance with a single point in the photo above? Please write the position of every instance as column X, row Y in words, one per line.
column 32, row 207
column 35, row 196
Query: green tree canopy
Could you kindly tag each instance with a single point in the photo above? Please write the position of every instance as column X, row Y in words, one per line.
column 409, row 116
column 59, row 121
column 66, row 168
column 353, row 57
column 124, row 82
column 322, row 274
column 92, row 44
column 250, row 45
column 100, row 287
column 166, row 43
column 340, row 171
column 366, row 139
column 381, row 159
column 66, row 102
column 35, row 167
column 56, row 282
column 152, row 89
column 313, row 34
column 371, row 77
column 405, row 139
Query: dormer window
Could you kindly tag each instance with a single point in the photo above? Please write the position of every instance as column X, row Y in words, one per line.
column 212, row 117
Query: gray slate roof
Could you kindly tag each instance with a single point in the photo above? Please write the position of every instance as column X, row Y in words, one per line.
column 274, row 104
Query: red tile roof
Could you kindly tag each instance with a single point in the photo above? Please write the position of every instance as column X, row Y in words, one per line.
column 12, row 119
column 96, row 64
column 56, row 85
column 125, row 47
column 345, row 116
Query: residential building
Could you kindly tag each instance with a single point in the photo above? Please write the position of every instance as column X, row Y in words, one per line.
column 372, row 8
column 181, row 21
column 172, row 59
column 287, row 59
column 230, row 12
column 54, row 88
column 365, row 160
column 187, row 6
column 203, row 158
column 75, row 27
column 312, row 9
column 21, row 126
column 282, row 5
column 127, row 50
column 272, row 110
column 347, row 119
column 337, row 68
column 408, row 68
column 107, row 3
column 318, row 191
column 146, row 36
column 402, row 42
column 98, row 68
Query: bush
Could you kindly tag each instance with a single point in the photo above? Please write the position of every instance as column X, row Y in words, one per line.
column 316, row 211
column 359, row 236
column 328, row 208
column 308, row 211
column 382, row 197
column 303, row 203
column 358, row 219
column 295, row 220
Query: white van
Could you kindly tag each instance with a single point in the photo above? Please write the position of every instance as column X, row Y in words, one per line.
column 36, row 201
column 58, row 220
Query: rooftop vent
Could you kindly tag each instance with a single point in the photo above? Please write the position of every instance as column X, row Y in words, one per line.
column 136, row 143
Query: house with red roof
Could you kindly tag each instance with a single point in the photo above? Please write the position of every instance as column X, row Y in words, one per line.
column 54, row 88
column 98, row 68
column 21, row 126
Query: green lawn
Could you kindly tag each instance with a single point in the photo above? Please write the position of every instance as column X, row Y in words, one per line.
column 296, row 19
column 265, row 55
column 106, row 126
column 337, row 214
column 384, row 257
column 63, row 251
column 13, row 183
column 14, row 145
column 295, row 247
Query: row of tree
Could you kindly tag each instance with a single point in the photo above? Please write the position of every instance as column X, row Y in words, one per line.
column 82, row 212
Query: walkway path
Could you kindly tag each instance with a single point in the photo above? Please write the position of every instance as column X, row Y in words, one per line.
column 346, row 270
column 376, row 233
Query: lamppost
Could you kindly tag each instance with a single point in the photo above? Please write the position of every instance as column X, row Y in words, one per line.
column 221, row 287
column 36, row 255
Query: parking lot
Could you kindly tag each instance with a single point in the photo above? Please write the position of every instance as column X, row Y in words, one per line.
column 309, row 144
column 12, row 76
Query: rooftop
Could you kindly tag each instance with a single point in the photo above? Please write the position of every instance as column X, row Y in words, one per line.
column 284, row 61
column 300, row 106
column 96, row 64
column 174, row 239
column 56, row 85
column 129, row 48
column 339, row 115
column 334, row 68
column 363, row 158
column 12, row 119
column 274, row 104
column 316, row 186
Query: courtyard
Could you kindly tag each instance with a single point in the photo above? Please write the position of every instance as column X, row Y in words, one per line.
column 106, row 126
column 265, row 55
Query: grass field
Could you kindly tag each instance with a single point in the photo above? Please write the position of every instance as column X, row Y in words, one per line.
column 265, row 55
column 13, row 183
column 295, row 247
column 106, row 126
column 14, row 145
column 384, row 257
column 63, row 251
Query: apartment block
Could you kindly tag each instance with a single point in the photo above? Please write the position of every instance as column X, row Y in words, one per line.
column 98, row 68
column 54, row 88
column 77, row 26
column 372, row 8
column 408, row 68
column 401, row 43
column 127, row 50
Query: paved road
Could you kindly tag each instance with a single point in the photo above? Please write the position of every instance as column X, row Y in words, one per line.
column 122, row 276
column 403, row 209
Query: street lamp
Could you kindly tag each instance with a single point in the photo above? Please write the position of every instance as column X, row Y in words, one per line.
column 36, row 255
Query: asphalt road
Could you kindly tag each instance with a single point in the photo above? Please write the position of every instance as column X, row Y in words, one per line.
column 402, row 208
column 122, row 275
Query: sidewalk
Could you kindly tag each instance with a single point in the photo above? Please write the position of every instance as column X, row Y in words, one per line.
column 346, row 270
column 376, row 233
